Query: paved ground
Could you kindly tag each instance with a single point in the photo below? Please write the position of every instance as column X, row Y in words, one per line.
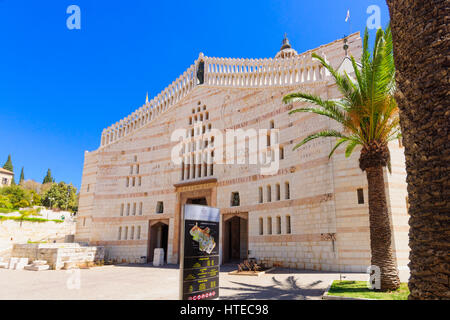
column 148, row 282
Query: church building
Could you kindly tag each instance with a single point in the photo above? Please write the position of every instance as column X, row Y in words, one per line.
column 308, row 211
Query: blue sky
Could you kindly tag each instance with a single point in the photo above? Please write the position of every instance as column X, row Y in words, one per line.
column 59, row 88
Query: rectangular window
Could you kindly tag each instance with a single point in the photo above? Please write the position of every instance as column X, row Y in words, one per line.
column 134, row 209
column 287, row 191
column 120, row 234
column 288, row 224
column 121, row 209
column 140, row 209
column 131, row 169
column 139, row 181
column 278, row 191
column 125, row 236
column 128, row 209
column 278, row 225
column 269, row 225
column 138, row 236
column 235, row 200
column 137, row 169
column 160, row 207
column 261, row 195
column 261, row 226
column 360, row 193
column 269, row 193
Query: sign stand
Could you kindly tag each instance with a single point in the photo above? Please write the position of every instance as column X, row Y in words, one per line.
column 199, row 260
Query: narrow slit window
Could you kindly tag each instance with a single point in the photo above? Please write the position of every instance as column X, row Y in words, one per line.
column 261, row 226
column 269, row 225
column 160, row 207
column 261, row 195
column 287, row 191
column 269, row 193
column 278, row 225
column 360, row 193
column 288, row 224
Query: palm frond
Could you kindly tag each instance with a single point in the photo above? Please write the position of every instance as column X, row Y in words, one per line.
column 367, row 110
column 321, row 134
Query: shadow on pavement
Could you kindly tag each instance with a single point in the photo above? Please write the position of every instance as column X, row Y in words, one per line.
column 279, row 290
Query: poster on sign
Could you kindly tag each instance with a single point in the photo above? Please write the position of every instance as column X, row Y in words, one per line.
column 199, row 261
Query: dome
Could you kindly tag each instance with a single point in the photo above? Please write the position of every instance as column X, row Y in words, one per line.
column 286, row 50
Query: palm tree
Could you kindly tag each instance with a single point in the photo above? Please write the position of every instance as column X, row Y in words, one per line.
column 421, row 47
column 368, row 114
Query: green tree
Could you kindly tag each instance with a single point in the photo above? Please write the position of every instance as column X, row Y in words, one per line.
column 8, row 164
column 4, row 202
column 22, row 176
column 18, row 196
column 368, row 114
column 48, row 178
column 60, row 195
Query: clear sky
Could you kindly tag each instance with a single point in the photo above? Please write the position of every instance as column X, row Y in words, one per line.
column 59, row 88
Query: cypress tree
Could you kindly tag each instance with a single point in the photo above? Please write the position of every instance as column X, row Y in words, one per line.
column 22, row 176
column 8, row 164
column 48, row 177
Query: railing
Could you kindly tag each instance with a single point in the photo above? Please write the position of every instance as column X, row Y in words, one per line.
column 262, row 72
column 224, row 72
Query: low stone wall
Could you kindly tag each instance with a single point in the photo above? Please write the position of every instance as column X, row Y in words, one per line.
column 12, row 232
column 56, row 254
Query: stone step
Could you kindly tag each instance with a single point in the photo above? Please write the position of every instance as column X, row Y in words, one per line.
column 37, row 268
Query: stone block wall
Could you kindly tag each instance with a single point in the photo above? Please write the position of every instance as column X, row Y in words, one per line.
column 58, row 254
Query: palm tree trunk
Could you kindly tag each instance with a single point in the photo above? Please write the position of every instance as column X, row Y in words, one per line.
column 421, row 47
column 380, row 230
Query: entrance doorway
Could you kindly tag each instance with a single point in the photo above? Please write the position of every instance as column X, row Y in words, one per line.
column 159, row 238
column 235, row 239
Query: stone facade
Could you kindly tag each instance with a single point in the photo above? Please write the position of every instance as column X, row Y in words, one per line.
column 312, row 213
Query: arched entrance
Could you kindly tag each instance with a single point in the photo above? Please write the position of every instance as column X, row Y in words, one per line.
column 158, row 238
column 235, row 238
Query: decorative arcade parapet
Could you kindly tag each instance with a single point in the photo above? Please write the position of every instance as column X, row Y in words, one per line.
column 222, row 72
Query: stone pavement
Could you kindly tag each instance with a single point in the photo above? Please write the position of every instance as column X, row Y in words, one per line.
column 155, row 283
